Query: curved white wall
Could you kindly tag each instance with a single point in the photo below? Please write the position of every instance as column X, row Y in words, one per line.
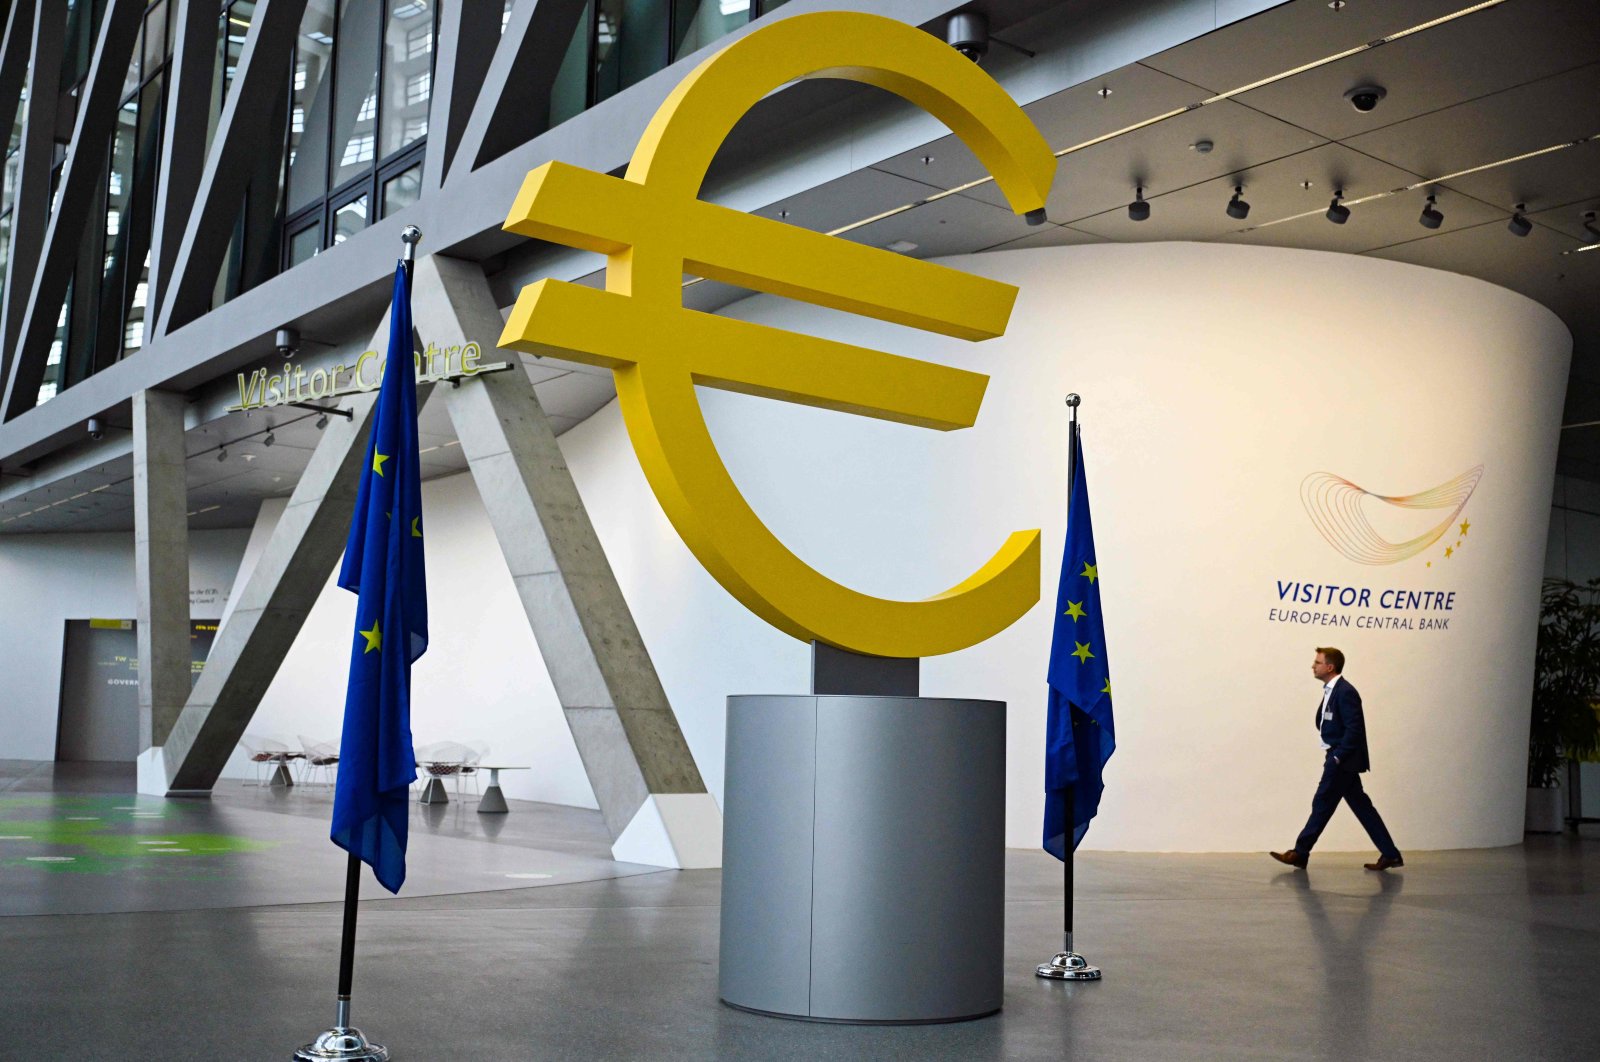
column 1215, row 379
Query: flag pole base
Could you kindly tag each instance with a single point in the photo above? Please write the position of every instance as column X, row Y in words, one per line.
column 342, row 1042
column 1067, row 966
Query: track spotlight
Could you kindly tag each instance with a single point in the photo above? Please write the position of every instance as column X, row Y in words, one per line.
column 1519, row 225
column 968, row 33
column 1588, row 225
column 1338, row 213
column 1138, row 210
column 1431, row 218
column 1237, row 207
column 270, row 439
column 222, row 454
column 322, row 422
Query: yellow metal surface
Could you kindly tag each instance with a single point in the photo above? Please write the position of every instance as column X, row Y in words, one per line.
column 653, row 229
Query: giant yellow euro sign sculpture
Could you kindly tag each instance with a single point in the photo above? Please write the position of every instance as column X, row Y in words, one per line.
column 654, row 228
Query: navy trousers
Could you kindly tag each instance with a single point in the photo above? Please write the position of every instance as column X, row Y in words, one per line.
column 1337, row 785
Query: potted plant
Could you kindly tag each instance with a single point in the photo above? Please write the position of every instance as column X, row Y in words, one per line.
column 1566, row 686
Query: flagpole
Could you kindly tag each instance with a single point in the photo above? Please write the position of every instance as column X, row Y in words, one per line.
column 344, row 1042
column 1068, row 965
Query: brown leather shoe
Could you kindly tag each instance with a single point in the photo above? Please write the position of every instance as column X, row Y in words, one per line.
column 1293, row 858
column 1384, row 863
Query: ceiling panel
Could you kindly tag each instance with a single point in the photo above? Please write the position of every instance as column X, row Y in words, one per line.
column 1556, row 179
column 1536, row 115
column 1049, row 235
column 952, row 225
column 575, row 395
column 1162, row 159
column 849, row 199
column 1065, row 118
column 1530, row 265
column 1570, row 219
column 1482, row 53
column 1291, row 35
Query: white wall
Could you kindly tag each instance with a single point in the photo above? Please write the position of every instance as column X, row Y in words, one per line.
column 481, row 680
column 1215, row 379
column 48, row 579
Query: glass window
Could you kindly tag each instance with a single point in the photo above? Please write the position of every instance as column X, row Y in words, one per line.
column 349, row 219
column 700, row 22
column 355, row 90
column 156, row 41
column 407, row 75
column 130, row 80
column 308, row 142
column 569, row 95
column 5, row 244
column 304, row 245
column 402, row 190
column 630, row 44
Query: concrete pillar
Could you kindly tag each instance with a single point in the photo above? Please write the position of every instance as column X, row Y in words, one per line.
column 642, row 771
column 161, row 561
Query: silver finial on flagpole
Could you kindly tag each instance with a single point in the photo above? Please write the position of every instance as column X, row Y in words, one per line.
column 410, row 236
column 1073, row 400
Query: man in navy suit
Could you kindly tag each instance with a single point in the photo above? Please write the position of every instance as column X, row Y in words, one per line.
column 1344, row 742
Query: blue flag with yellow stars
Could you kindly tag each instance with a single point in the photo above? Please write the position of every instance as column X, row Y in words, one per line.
column 1079, row 734
column 383, row 565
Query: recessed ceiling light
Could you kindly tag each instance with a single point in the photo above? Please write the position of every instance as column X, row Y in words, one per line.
column 1103, row 91
column 1336, row 5
column 1202, row 146
column 1307, row 185
column 900, row 247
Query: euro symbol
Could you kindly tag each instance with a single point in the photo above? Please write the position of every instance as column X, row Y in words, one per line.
column 654, row 228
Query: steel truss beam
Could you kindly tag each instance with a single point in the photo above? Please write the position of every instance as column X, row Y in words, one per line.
column 241, row 136
column 81, row 176
column 515, row 99
column 39, row 60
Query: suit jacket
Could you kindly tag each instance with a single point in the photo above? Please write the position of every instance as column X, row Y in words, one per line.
column 1346, row 728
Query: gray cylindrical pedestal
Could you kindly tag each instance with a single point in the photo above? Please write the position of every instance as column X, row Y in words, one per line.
column 863, row 858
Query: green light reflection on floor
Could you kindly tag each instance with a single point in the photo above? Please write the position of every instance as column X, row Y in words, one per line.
column 96, row 844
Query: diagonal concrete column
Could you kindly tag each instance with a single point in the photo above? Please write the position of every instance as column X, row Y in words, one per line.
column 273, row 604
column 644, row 776
column 161, row 561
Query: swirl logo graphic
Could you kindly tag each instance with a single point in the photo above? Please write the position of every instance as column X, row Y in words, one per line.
column 1337, row 508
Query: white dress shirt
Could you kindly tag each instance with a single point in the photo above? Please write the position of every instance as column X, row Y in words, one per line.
column 1327, row 695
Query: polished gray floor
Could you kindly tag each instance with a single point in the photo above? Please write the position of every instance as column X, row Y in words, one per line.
column 1461, row 955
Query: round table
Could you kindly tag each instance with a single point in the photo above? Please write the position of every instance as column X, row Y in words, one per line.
column 493, row 801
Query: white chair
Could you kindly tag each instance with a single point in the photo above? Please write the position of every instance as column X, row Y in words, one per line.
column 322, row 757
column 469, row 772
column 266, row 753
column 442, row 760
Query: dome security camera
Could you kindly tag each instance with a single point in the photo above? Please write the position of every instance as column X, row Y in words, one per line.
column 968, row 33
column 97, row 430
column 1365, row 98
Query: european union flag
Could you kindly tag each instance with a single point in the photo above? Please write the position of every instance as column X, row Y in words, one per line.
column 383, row 565
column 1079, row 734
